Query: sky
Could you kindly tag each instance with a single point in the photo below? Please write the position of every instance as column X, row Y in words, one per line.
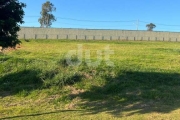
column 108, row 14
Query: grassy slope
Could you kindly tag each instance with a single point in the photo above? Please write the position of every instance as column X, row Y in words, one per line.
column 143, row 84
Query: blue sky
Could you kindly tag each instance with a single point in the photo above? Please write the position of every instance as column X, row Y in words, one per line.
column 108, row 14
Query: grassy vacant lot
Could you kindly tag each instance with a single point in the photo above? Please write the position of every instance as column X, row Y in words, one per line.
column 37, row 83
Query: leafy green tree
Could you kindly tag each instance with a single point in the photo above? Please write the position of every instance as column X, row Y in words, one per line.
column 47, row 17
column 150, row 26
column 11, row 16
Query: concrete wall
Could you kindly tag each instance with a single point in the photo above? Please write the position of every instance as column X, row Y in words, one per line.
column 88, row 34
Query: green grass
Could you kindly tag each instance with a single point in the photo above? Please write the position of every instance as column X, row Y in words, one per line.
column 37, row 83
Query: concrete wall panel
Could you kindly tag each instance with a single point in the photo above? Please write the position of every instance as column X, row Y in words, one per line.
column 89, row 34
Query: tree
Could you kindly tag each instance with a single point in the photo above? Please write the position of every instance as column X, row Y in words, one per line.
column 150, row 26
column 11, row 15
column 47, row 17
